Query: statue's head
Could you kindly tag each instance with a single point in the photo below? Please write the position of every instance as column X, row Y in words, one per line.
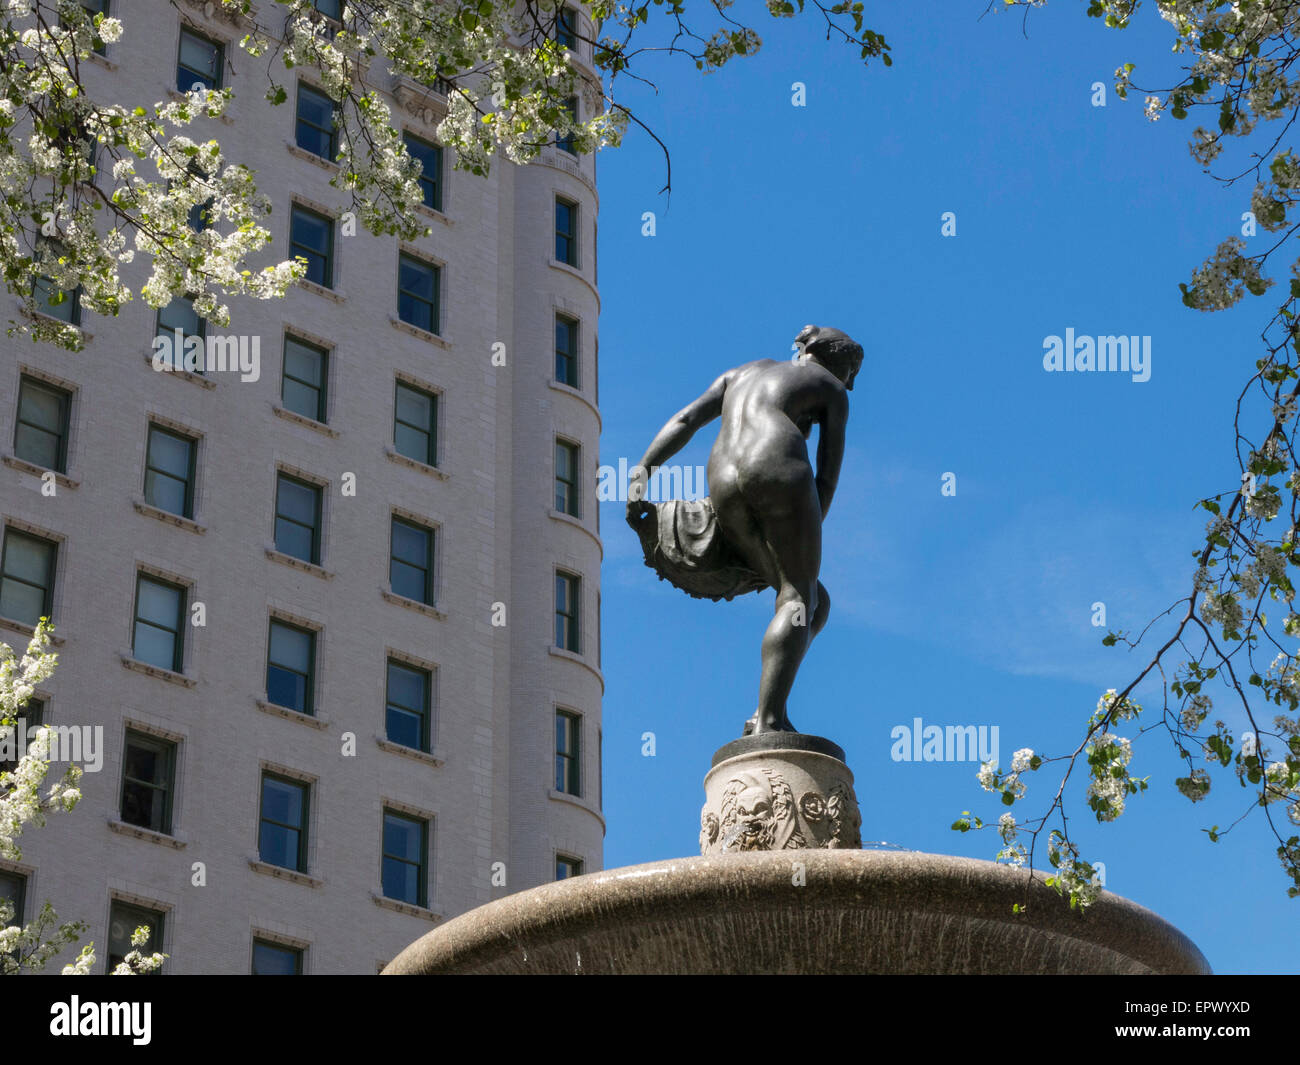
column 833, row 349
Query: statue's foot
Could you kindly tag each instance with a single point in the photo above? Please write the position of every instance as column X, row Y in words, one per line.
column 751, row 726
column 768, row 723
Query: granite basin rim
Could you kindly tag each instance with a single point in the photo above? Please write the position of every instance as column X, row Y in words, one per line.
column 857, row 911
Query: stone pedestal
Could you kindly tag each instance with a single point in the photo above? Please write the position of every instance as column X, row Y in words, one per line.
column 779, row 791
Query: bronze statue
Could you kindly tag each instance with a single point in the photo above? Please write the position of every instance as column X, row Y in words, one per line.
column 761, row 525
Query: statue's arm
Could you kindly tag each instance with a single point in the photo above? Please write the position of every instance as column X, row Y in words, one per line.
column 830, row 447
column 679, row 429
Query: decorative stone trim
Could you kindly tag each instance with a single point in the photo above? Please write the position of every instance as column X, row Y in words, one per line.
column 415, row 464
column 146, row 834
column 321, row 290
column 169, row 675
column 280, row 873
column 560, row 652
column 29, row 630
column 302, row 419
column 186, row 375
column 412, row 604
column 429, row 758
column 297, row 563
column 405, row 907
column 573, row 271
column 311, row 157
column 167, row 517
column 421, row 334
column 579, row 802
column 23, row 466
column 435, row 214
column 569, row 519
column 578, row 394
column 292, row 715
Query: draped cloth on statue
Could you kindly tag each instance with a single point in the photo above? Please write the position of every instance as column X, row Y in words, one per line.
column 682, row 543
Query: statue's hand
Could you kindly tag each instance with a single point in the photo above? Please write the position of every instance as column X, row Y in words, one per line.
column 637, row 509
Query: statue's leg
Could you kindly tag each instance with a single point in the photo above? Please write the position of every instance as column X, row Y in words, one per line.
column 823, row 609
column 794, row 537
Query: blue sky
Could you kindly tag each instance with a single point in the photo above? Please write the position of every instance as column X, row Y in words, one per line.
column 1071, row 488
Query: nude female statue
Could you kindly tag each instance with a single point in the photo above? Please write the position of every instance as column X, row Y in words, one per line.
column 761, row 526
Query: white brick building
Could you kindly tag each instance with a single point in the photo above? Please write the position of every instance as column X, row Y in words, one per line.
column 348, row 744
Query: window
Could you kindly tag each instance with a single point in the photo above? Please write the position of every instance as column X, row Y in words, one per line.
column 405, row 870
column 177, row 323
column 27, row 577
column 566, row 32
column 566, row 867
column 169, row 471
column 41, row 435
column 415, row 421
column 148, row 782
column 30, row 716
column 291, row 667
column 317, row 125
column 429, row 156
column 199, row 63
column 93, row 8
column 331, row 9
column 417, row 293
column 407, row 712
column 13, row 887
column 566, row 229
column 297, row 518
column 311, row 238
column 275, row 959
column 51, row 300
column 302, row 389
column 568, row 752
column 565, row 143
column 567, row 588
column 410, row 566
column 566, row 478
column 123, row 920
column 159, row 638
column 566, row 350
column 282, row 834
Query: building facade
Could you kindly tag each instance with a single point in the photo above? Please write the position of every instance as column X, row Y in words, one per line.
column 336, row 621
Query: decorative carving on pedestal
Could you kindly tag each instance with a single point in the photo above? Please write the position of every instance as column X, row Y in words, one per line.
column 764, row 797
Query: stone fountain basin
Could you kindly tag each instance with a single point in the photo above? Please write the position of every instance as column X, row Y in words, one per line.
column 856, row 912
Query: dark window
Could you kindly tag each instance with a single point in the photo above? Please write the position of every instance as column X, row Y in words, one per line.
column 148, row 780
column 566, row 867
column 410, row 567
column 93, row 8
column 566, row 350
column 291, row 667
column 199, row 63
column 30, row 717
column 13, row 887
column 177, row 323
column 566, row 478
column 406, row 858
column 41, row 435
column 282, row 837
column 123, row 920
column 566, row 230
column 407, row 711
column 159, row 623
column 311, row 237
column 330, row 9
column 169, row 471
column 568, row 752
column 302, row 389
column 275, row 959
column 297, row 518
column 27, row 577
column 317, row 127
column 415, row 423
column 54, row 302
column 566, row 28
column 567, row 589
column 565, row 142
column 417, row 293
column 429, row 156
